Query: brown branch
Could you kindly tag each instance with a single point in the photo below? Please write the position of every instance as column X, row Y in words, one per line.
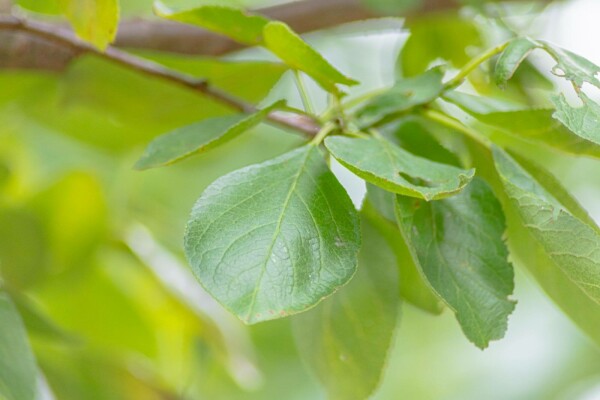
column 61, row 37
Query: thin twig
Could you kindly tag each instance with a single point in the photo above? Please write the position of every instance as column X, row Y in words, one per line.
column 50, row 33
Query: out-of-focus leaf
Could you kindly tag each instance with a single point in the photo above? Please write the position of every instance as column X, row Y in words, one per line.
column 384, row 164
column 533, row 125
column 415, row 136
column 584, row 121
column 511, row 58
column 78, row 373
column 404, row 95
column 88, row 303
column 346, row 339
column 199, row 137
column 570, row 243
column 93, row 20
column 23, row 248
column 18, row 372
column 274, row 239
column 413, row 287
column 75, row 217
column 108, row 106
column 457, row 243
column 44, row 7
column 229, row 21
column 446, row 37
column 38, row 323
column 298, row 54
column 391, row 7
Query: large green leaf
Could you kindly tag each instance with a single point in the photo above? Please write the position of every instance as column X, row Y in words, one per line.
column 533, row 125
column 346, row 339
column 229, row 21
column 18, row 372
column 458, row 245
column 394, row 169
column 583, row 121
column 404, row 95
column 199, row 137
column 273, row 239
column 379, row 209
column 93, row 20
column 571, row 244
column 527, row 252
column 296, row 53
column 511, row 58
column 445, row 36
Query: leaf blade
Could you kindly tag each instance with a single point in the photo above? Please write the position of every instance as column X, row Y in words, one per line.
column 18, row 372
column 571, row 244
column 394, row 169
column 511, row 58
column 199, row 137
column 404, row 95
column 281, row 260
column 346, row 339
column 289, row 47
column 584, row 121
column 229, row 21
column 94, row 21
column 482, row 282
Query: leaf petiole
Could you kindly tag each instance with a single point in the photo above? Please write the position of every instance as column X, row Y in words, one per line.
column 455, row 124
column 473, row 64
column 325, row 130
column 308, row 107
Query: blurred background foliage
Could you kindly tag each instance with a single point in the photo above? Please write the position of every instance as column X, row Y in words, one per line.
column 91, row 254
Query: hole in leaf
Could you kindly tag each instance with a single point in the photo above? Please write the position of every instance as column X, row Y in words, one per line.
column 414, row 180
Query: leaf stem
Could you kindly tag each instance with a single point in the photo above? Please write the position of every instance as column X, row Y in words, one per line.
column 308, row 107
column 455, row 124
column 325, row 130
column 473, row 64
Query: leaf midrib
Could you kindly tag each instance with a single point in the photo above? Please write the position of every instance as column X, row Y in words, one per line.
column 276, row 234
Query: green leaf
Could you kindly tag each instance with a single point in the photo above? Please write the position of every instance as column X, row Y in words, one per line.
column 295, row 52
column 274, row 239
column 38, row 323
column 414, row 135
column 526, row 251
column 404, row 95
column 381, row 163
column 552, row 185
column 533, row 125
column 199, row 137
column 573, row 67
column 18, row 372
column 571, row 244
column 347, row 338
column 93, row 20
column 446, row 37
column 233, row 22
column 584, row 121
column 457, row 243
column 511, row 58
column 413, row 287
